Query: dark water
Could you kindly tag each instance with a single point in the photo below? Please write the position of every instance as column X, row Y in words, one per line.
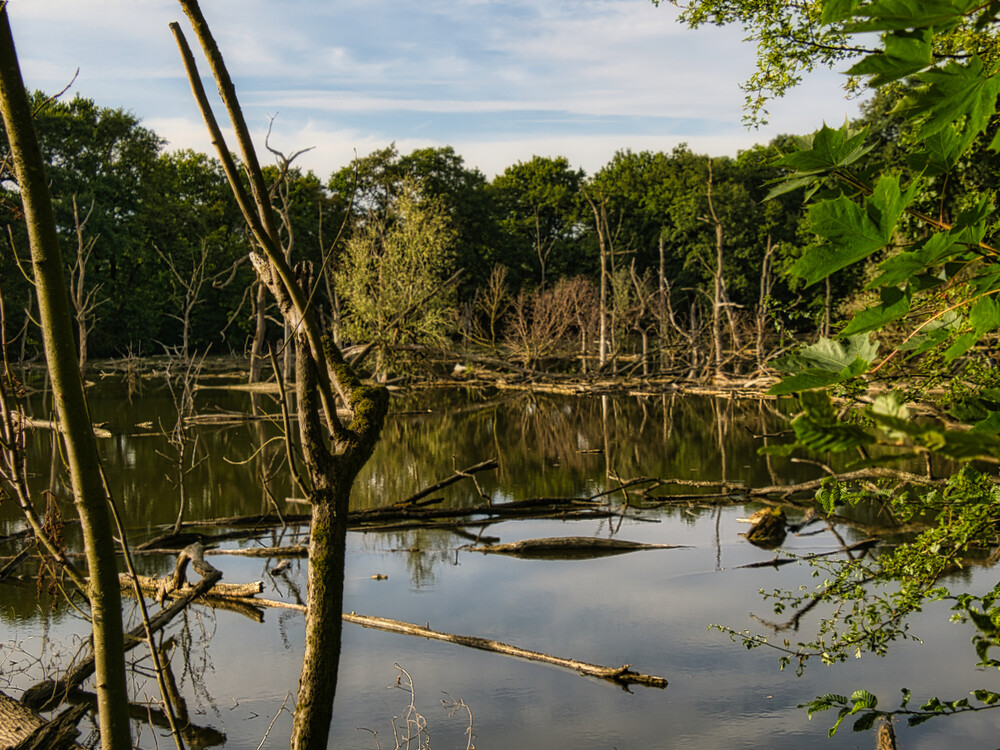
column 650, row 609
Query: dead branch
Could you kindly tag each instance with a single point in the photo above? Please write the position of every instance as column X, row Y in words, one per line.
column 458, row 476
column 620, row 675
column 51, row 693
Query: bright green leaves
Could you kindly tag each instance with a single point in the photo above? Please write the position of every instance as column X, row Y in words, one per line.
column 894, row 305
column 890, row 15
column 818, row 155
column 852, row 230
column 861, row 701
column 825, row 363
column 956, row 92
column 904, row 54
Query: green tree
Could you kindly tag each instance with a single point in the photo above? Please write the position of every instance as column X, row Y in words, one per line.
column 539, row 207
column 393, row 275
column 198, row 234
column 934, row 287
column 105, row 160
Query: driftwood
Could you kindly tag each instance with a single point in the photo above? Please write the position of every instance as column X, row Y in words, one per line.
column 51, row 693
column 23, row 421
column 569, row 547
column 23, row 729
column 163, row 587
column 621, row 675
column 297, row 550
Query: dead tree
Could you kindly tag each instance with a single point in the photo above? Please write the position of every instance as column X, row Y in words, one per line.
column 332, row 453
column 84, row 300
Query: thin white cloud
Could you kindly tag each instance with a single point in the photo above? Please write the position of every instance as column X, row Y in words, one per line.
column 499, row 81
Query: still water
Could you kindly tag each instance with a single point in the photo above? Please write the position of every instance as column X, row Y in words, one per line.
column 650, row 609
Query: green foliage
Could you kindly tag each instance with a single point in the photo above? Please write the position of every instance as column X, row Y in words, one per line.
column 392, row 271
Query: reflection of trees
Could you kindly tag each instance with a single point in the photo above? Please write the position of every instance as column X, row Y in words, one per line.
column 547, row 445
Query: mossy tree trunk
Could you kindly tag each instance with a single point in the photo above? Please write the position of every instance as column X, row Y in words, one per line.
column 71, row 405
column 331, row 452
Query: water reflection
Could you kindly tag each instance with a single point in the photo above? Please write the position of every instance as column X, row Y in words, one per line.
column 649, row 609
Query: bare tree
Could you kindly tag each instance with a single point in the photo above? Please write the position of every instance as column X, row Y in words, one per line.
column 82, row 458
column 331, row 452
column 492, row 301
column 84, row 300
column 720, row 300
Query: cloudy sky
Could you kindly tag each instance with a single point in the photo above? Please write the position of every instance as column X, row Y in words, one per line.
column 499, row 80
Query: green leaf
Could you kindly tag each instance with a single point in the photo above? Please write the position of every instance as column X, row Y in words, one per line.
column 956, row 91
column 837, row 10
column 904, row 53
column 942, row 151
column 990, row 425
column 818, row 428
column 960, row 346
column 825, row 363
column 985, row 315
column 862, row 699
column 901, row 267
column 895, row 304
column 853, row 232
column 986, row 696
column 827, row 149
column 827, row 354
column 887, row 15
column 865, row 722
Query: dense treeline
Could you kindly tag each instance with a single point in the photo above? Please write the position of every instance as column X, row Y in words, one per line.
column 419, row 249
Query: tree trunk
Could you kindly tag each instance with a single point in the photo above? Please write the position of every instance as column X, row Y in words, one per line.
column 324, row 606
column 71, row 405
column 260, row 332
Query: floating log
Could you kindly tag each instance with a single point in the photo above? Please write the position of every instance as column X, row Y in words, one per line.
column 620, row 675
column 22, row 421
column 297, row 550
column 569, row 547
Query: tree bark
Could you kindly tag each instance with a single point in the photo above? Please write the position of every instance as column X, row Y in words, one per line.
column 71, row 406
column 332, row 452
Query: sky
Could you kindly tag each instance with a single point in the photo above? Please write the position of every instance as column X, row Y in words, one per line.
column 501, row 81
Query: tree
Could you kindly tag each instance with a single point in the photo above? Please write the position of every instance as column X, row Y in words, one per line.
column 331, row 452
column 538, row 205
column 92, row 501
column 935, row 289
column 393, row 275
column 105, row 160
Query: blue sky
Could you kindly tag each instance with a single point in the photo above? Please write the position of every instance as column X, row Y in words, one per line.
column 499, row 80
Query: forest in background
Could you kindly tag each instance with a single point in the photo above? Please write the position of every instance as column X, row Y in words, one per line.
column 417, row 252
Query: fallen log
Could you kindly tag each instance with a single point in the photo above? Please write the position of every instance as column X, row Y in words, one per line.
column 155, row 587
column 297, row 550
column 23, row 729
column 620, row 675
column 50, row 693
column 569, row 547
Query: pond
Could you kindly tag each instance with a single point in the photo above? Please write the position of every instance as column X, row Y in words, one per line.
column 651, row 609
